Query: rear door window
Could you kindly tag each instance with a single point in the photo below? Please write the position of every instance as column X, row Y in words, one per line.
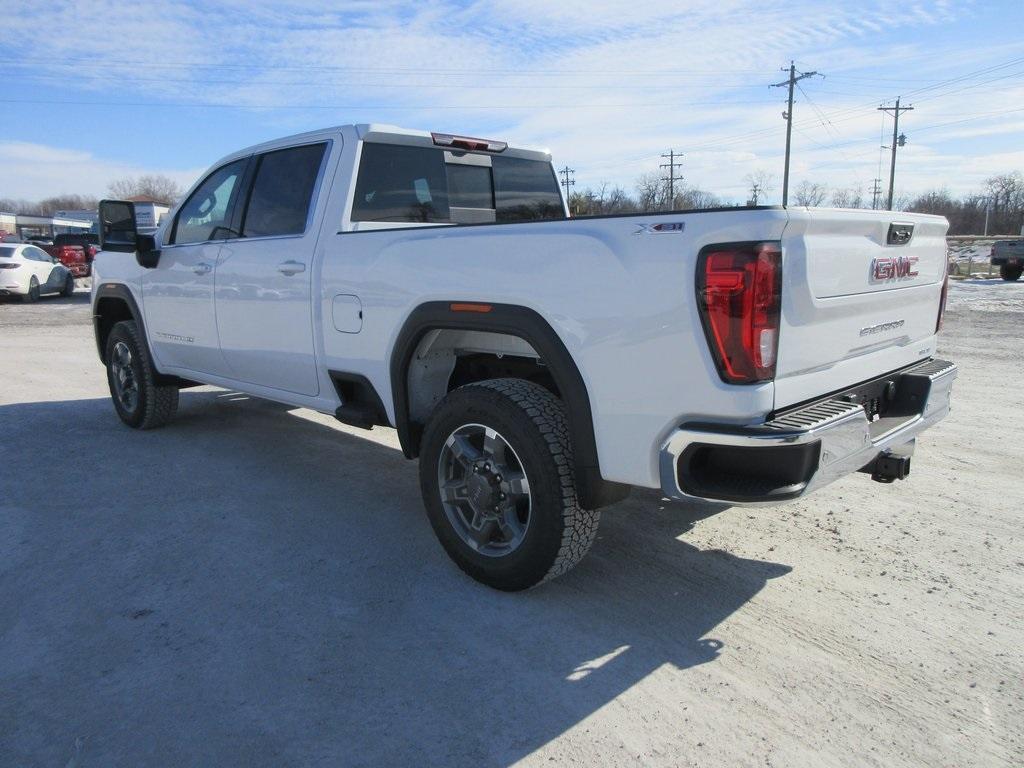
column 282, row 191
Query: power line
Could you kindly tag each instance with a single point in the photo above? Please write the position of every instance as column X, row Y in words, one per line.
column 897, row 139
column 788, row 116
column 672, row 164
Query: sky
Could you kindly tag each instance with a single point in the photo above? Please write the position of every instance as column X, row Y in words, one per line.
column 96, row 90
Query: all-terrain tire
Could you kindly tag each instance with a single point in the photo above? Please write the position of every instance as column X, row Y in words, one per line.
column 155, row 404
column 533, row 422
column 1010, row 272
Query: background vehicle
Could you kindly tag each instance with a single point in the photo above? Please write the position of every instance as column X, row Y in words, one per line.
column 538, row 366
column 89, row 242
column 28, row 271
column 1008, row 255
column 73, row 257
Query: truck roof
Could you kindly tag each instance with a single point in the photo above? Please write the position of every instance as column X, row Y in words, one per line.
column 378, row 132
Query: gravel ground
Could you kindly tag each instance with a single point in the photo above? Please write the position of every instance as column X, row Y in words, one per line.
column 258, row 585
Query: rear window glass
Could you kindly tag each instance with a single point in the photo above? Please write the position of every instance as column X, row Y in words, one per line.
column 282, row 191
column 399, row 183
column 525, row 190
column 415, row 184
column 470, row 186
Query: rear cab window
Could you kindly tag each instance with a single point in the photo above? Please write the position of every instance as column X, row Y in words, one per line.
column 420, row 184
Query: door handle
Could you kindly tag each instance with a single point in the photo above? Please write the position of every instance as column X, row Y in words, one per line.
column 291, row 267
column 202, row 268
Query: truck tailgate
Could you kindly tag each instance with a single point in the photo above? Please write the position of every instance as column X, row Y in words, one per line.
column 860, row 297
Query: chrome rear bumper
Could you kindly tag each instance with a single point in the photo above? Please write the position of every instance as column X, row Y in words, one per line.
column 802, row 449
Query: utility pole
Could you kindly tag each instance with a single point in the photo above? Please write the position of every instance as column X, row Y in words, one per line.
column 788, row 117
column 876, row 190
column 897, row 139
column 566, row 180
column 672, row 164
column 755, row 190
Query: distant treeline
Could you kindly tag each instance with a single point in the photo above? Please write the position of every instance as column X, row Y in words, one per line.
column 1002, row 196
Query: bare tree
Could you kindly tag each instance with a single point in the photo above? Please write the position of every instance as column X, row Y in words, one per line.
column 692, row 199
column 1005, row 194
column 51, row 205
column 652, row 192
column 810, row 195
column 763, row 181
column 16, row 206
column 154, row 186
column 848, row 197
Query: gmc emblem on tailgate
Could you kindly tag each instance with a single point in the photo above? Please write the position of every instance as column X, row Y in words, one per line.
column 886, row 268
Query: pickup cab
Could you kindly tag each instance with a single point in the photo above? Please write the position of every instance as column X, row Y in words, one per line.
column 538, row 366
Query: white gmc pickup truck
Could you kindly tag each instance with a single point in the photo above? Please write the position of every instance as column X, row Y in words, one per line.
column 539, row 366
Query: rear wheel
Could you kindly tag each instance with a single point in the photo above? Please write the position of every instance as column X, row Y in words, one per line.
column 69, row 285
column 33, row 291
column 1010, row 272
column 496, row 472
column 140, row 402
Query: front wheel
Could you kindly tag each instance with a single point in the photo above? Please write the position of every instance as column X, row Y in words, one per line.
column 496, row 472
column 140, row 402
column 1010, row 272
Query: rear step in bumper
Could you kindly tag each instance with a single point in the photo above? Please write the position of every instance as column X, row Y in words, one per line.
column 807, row 448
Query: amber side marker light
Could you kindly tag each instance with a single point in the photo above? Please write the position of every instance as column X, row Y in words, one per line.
column 466, row 307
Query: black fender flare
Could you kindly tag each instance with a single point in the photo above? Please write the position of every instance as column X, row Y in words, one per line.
column 123, row 293
column 592, row 489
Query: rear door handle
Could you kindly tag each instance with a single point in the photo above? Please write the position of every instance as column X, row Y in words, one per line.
column 202, row 268
column 291, row 267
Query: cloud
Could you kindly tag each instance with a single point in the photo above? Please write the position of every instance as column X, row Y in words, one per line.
column 36, row 171
column 607, row 86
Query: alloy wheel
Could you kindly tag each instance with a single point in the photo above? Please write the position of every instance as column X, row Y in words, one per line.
column 484, row 490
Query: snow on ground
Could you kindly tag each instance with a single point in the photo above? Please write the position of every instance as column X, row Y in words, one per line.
column 987, row 295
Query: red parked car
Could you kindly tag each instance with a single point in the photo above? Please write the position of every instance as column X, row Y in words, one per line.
column 71, row 256
column 89, row 243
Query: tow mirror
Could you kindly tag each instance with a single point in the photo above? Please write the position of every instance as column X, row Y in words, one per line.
column 119, row 232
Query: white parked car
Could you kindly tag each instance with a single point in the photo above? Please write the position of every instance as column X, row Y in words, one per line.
column 28, row 271
column 539, row 366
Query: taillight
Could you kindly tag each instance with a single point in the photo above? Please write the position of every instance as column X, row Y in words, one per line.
column 942, row 303
column 739, row 294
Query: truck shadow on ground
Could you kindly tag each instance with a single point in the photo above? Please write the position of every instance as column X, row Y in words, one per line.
column 250, row 587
